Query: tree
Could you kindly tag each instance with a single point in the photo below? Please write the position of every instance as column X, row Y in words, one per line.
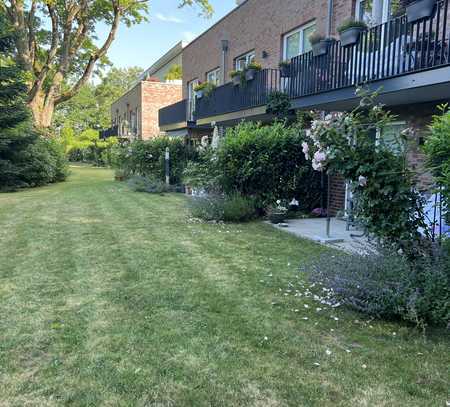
column 91, row 107
column 67, row 51
column 25, row 158
column 175, row 72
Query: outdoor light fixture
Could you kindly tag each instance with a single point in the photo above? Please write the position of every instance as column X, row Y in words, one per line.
column 265, row 54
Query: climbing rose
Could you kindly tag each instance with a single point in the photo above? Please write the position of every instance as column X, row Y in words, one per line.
column 305, row 150
column 320, row 156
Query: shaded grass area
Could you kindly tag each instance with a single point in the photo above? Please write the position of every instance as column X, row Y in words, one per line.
column 109, row 297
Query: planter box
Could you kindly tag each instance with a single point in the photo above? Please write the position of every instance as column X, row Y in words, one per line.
column 277, row 217
column 351, row 36
column 285, row 71
column 250, row 74
column 321, row 48
column 236, row 80
column 420, row 9
column 199, row 94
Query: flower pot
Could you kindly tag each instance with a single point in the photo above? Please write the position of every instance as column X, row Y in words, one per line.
column 285, row 71
column 351, row 36
column 277, row 217
column 250, row 74
column 321, row 48
column 420, row 9
column 236, row 80
column 199, row 94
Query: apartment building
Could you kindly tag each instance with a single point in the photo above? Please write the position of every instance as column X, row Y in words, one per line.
column 406, row 61
column 135, row 114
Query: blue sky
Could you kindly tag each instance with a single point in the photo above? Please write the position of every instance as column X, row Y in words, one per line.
column 143, row 44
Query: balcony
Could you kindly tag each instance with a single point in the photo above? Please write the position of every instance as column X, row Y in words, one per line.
column 111, row 132
column 405, row 62
column 174, row 116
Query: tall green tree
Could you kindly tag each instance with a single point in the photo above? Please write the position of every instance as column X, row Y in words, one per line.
column 91, row 107
column 57, row 43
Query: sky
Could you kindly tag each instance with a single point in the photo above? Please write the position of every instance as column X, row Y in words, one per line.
column 144, row 44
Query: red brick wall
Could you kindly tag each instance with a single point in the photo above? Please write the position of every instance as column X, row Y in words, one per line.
column 257, row 25
column 155, row 96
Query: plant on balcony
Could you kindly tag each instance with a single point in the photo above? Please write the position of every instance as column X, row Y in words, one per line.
column 251, row 70
column 350, row 32
column 236, row 77
column 204, row 89
column 285, row 69
column 420, row 9
column 320, row 44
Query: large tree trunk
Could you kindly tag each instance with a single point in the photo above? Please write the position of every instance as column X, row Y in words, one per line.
column 42, row 109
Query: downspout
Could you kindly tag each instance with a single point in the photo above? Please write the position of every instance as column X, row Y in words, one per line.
column 330, row 17
column 224, row 61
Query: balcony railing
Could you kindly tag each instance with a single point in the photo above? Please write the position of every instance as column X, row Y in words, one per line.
column 176, row 113
column 111, row 132
column 385, row 51
column 232, row 98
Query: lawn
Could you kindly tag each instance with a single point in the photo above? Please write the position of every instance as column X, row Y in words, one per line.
column 114, row 298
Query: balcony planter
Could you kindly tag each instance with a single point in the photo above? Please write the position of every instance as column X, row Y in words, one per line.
column 319, row 44
column 420, row 9
column 351, row 31
column 236, row 77
column 199, row 94
column 251, row 70
column 204, row 89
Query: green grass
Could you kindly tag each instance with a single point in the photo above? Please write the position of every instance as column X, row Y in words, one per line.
column 114, row 298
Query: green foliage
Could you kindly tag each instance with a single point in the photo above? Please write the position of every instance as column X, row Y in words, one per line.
column 266, row 162
column 206, row 87
column 278, row 103
column 231, row 208
column 388, row 285
column 388, row 203
column 174, row 73
column 26, row 159
column 91, row 107
column 87, row 146
column 148, row 185
column 204, row 172
column 437, row 148
column 147, row 158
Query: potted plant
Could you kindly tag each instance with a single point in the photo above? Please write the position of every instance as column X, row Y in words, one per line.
column 277, row 213
column 200, row 90
column 236, row 77
column 251, row 70
column 420, row 9
column 285, row 69
column 319, row 44
column 350, row 32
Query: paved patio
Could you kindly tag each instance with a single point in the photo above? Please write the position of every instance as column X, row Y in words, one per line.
column 316, row 229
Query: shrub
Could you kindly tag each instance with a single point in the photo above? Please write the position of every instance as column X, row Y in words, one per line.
column 143, row 184
column 238, row 208
column 233, row 208
column 267, row 163
column 147, row 158
column 204, row 172
column 387, row 285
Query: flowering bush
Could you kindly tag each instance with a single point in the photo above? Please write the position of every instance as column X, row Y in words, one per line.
column 346, row 144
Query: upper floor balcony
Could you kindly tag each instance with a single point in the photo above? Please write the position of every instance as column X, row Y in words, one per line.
column 405, row 62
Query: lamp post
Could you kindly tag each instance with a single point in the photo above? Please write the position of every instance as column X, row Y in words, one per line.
column 167, row 162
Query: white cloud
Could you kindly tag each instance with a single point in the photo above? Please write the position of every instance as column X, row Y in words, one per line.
column 189, row 36
column 168, row 19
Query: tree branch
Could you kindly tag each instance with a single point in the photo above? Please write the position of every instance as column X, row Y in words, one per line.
column 94, row 58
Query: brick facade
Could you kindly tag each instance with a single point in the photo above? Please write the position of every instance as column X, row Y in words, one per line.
column 257, row 25
column 140, row 107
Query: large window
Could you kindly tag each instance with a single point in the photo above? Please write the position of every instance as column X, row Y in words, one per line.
column 297, row 42
column 378, row 11
column 243, row 61
column 213, row 76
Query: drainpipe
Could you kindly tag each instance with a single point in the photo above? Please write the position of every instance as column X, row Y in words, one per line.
column 224, row 61
column 330, row 17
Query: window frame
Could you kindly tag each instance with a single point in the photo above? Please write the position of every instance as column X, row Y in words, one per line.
column 249, row 56
column 300, row 30
column 217, row 72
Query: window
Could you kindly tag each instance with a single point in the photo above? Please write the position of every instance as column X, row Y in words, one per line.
column 213, row 76
column 392, row 137
column 243, row 61
column 375, row 12
column 297, row 42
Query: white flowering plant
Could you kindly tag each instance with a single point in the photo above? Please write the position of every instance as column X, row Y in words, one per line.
column 347, row 144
